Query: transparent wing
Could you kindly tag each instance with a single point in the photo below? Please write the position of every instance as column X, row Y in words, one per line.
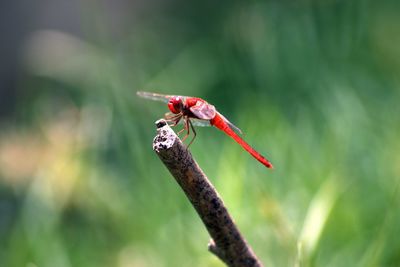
column 203, row 110
column 233, row 126
column 156, row 96
column 200, row 123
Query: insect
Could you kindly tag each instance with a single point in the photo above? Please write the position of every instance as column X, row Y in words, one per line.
column 196, row 111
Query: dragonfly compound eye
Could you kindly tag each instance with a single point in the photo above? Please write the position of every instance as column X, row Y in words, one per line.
column 175, row 105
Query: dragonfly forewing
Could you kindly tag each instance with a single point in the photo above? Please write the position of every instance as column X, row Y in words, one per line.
column 154, row 96
column 157, row 97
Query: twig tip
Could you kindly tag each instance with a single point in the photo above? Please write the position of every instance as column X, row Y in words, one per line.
column 165, row 138
column 160, row 123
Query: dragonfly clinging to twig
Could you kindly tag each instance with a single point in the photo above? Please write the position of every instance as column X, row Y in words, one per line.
column 194, row 110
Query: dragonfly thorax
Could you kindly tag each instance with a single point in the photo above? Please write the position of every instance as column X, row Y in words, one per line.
column 175, row 104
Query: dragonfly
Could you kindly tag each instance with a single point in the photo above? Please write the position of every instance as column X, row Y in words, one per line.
column 194, row 111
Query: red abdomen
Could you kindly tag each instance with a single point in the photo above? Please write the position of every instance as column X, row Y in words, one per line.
column 219, row 122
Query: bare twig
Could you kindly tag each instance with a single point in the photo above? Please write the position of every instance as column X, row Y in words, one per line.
column 227, row 243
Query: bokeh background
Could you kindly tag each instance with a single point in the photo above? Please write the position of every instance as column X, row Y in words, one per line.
column 314, row 85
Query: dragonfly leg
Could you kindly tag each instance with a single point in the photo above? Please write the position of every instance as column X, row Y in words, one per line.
column 176, row 121
column 174, row 118
column 194, row 133
column 171, row 116
column 184, row 126
column 187, row 122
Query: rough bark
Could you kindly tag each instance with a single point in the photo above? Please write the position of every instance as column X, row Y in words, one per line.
column 227, row 243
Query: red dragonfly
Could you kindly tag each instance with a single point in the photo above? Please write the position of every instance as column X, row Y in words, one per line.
column 196, row 111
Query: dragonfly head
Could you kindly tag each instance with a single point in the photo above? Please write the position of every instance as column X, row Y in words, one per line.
column 175, row 104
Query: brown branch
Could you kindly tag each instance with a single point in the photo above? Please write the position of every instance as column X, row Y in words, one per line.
column 227, row 243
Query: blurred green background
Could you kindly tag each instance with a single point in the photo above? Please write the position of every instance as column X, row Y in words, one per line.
column 314, row 85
